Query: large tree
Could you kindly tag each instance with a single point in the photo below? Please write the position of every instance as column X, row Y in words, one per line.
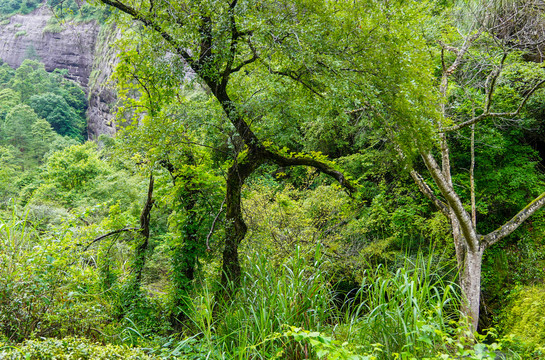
column 220, row 41
column 282, row 71
column 475, row 88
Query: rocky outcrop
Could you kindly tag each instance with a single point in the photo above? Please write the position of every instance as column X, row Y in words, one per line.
column 82, row 48
column 28, row 36
column 102, row 98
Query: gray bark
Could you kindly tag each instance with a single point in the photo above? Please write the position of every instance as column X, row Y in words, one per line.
column 470, row 283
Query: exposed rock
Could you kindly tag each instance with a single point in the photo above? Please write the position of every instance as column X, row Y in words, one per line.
column 102, row 98
column 26, row 36
column 82, row 48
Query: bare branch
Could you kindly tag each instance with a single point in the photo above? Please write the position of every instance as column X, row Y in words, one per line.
column 426, row 190
column 462, row 51
column 515, row 222
column 496, row 115
column 492, row 78
column 448, row 48
column 109, row 234
column 453, row 201
column 214, row 225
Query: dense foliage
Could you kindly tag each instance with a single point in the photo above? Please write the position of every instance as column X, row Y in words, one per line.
column 11, row 7
column 272, row 192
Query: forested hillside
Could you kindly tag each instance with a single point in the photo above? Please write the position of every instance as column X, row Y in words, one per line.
column 289, row 180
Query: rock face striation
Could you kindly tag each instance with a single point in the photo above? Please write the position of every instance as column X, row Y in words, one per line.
column 102, row 97
column 75, row 49
column 27, row 36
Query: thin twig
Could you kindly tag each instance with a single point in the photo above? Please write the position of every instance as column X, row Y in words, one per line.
column 213, row 226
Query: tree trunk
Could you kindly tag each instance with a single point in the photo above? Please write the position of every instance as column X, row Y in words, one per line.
column 184, row 259
column 145, row 217
column 469, row 266
column 235, row 229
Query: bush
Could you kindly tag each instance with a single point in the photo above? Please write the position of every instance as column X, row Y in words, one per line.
column 525, row 318
column 44, row 290
column 70, row 349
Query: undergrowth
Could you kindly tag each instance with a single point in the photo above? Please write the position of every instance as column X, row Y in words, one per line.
column 53, row 304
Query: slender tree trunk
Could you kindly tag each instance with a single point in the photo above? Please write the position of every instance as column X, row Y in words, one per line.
column 145, row 217
column 469, row 268
column 472, row 177
column 184, row 259
column 459, row 241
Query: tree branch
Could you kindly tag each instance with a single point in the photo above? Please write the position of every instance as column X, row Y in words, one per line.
column 462, row 51
column 213, row 226
column 295, row 78
column 144, row 220
column 308, row 161
column 453, row 201
column 496, row 115
column 448, row 48
column 109, row 234
column 155, row 26
column 426, row 190
column 248, row 61
column 205, row 30
column 515, row 222
column 492, row 81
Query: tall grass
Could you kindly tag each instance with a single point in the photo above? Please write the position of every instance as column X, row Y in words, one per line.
column 405, row 311
column 250, row 326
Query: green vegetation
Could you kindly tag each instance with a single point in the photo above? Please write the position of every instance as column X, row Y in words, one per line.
column 292, row 180
column 72, row 11
column 38, row 111
column 523, row 317
column 12, row 7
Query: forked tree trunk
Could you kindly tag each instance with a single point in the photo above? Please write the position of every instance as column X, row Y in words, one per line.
column 469, row 267
column 470, row 282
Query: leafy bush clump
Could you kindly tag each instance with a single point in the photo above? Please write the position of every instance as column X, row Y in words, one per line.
column 42, row 292
column 525, row 317
column 69, row 348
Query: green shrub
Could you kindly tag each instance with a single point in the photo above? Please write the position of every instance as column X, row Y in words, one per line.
column 53, row 28
column 70, row 349
column 525, row 318
column 43, row 286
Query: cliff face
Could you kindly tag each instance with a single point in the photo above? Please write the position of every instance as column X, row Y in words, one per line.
column 102, row 96
column 78, row 48
column 26, row 36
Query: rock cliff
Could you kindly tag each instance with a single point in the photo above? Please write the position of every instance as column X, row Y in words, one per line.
column 76, row 47
column 27, row 36
column 102, row 97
